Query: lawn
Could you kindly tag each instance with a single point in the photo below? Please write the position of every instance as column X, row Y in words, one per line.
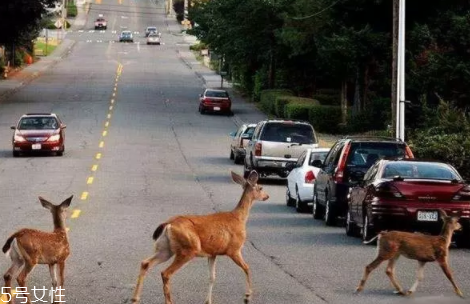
column 41, row 47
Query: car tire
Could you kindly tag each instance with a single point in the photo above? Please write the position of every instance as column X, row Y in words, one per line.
column 368, row 232
column 202, row 111
column 289, row 200
column 300, row 206
column 330, row 217
column 16, row 153
column 351, row 227
column 232, row 156
column 237, row 160
column 317, row 210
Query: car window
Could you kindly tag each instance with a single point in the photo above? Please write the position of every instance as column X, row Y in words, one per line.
column 257, row 130
column 38, row 123
column 239, row 132
column 216, row 94
column 333, row 152
column 425, row 170
column 366, row 154
column 317, row 156
column 301, row 159
column 288, row 132
column 371, row 173
column 249, row 131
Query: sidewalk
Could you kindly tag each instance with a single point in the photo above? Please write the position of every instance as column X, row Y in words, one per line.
column 27, row 74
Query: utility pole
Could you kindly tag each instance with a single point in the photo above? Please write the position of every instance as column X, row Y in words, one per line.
column 400, row 98
column 64, row 24
column 396, row 5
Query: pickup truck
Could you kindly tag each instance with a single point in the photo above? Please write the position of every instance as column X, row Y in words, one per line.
column 101, row 23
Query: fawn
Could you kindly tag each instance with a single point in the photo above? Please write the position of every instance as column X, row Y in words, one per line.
column 218, row 234
column 420, row 247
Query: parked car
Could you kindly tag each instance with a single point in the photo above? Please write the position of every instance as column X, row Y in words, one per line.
column 153, row 39
column 54, row 8
column 300, row 180
column 406, row 195
column 216, row 101
column 152, row 29
column 39, row 132
column 240, row 139
column 101, row 23
column 275, row 144
column 126, row 36
column 345, row 164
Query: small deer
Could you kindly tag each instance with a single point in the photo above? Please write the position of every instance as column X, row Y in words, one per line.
column 218, row 234
column 415, row 246
column 29, row 247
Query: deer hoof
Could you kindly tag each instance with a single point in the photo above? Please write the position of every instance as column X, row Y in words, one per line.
column 135, row 300
column 400, row 293
column 460, row 294
column 247, row 298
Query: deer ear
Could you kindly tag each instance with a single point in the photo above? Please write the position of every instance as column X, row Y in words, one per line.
column 238, row 178
column 253, row 177
column 66, row 203
column 443, row 213
column 45, row 203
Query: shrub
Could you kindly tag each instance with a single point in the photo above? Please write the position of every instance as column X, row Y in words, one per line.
column 328, row 100
column 71, row 10
column 259, row 83
column 281, row 101
column 325, row 119
column 268, row 97
column 332, row 92
column 198, row 47
column 299, row 111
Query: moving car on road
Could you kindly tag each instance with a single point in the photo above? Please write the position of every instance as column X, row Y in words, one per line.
column 152, row 30
column 153, row 39
column 39, row 132
column 406, row 195
column 126, row 36
column 101, row 23
column 240, row 139
column 300, row 180
column 216, row 101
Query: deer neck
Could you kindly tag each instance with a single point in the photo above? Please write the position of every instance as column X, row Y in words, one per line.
column 242, row 210
column 59, row 224
column 446, row 234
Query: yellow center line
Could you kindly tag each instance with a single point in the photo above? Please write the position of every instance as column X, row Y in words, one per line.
column 115, row 89
column 98, row 1
column 105, row 133
column 89, row 181
column 102, row 144
column 94, row 168
column 114, row 94
column 110, row 108
column 75, row 213
column 109, row 116
column 112, row 100
column 106, row 124
column 84, row 195
column 5, row 296
column 98, row 155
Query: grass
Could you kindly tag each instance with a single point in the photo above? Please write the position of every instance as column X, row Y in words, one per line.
column 41, row 45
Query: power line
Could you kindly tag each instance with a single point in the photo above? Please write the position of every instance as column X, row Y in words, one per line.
column 318, row 13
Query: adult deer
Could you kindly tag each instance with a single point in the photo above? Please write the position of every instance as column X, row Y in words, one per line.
column 420, row 247
column 29, row 247
column 218, row 234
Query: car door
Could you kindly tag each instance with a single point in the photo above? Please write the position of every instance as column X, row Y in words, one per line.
column 361, row 192
column 251, row 144
column 236, row 138
column 325, row 176
column 293, row 177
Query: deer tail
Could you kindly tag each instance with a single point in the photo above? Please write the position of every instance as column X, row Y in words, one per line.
column 159, row 231
column 371, row 240
column 6, row 248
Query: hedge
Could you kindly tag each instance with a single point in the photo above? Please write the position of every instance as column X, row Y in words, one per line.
column 71, row 10
column 298, row 111
column 325, row 119
column 268, row 99
column 281, row 102
column 328, row 100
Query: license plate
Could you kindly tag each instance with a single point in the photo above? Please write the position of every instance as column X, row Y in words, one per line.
column 216, row 108
column 36, row 146
column 428, row 216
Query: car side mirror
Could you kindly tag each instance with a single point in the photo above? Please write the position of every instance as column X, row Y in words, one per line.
column 246, row 136
column 317, row 163
column 200, row 95
column 13, row 127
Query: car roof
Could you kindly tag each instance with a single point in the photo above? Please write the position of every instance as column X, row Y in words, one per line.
column 126, row 32
column 320, row 149
column 39, row 114
column 151, row 27
column 287, row 120
column 215, row 90
column 372, row 139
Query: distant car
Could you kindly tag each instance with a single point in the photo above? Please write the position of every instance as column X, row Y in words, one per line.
column 406, row 195
column 216, row 101
column 152, row 29
column 54, row 8
column 153, row 39
column 302, row 176
column 126, row 36
column 101, row 23
column 240, row 139
column 39, row 132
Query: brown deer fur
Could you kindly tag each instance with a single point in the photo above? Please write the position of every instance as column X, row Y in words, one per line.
column 29, row 247
column 186, row 237
column 420, row 247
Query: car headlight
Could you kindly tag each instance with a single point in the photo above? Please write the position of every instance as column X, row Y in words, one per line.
column 55, row 137
column 19, row 138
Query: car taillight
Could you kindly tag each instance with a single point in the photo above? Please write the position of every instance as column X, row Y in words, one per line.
column 462, row 195
column 309, row 177
column 342, row 165
column 386, row 190
column 408, row 153
column 258, row 149
column 206, row 100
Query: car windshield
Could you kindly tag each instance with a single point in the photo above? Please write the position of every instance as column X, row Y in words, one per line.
column 366, row 154
column 317, row 156
column 415, row 170
column 153, row 35
column 289, row 133
column 152, row 29
column 220, row 94
column 38, row 123
column 100, row 19
column 249, row 131
column 126, row 34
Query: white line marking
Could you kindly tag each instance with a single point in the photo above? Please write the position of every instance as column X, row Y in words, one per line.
column 91, row 31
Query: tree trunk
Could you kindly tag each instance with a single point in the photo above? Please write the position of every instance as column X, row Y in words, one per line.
column 396, row 6
column 272, row 72
column 357, row 107
column 344, row 102
column 365, row 89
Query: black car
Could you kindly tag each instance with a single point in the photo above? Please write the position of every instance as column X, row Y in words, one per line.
column 346, row 163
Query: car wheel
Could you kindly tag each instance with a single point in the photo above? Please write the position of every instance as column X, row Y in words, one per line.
column 317, row 210
column 367, row 232
column 289, row 200
column 16, row 153
column 351, row 228
column 330, row 218
column 300, row 206
column 202, row 111
column 232, row 156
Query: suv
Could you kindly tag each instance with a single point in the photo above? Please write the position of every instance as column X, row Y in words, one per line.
column 275, row 143
column 101, row 23
column 346, row 164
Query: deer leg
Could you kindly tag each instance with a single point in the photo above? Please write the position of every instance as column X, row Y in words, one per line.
column 369, row 268
column 61, row 279
column 12, row 272
column 211, row 261
column 21, row 279
column 238, row 259
column 178, row 262
column 445, row 267
column 160, row 257
column 53, row 273
column 390, row 271
column 419, row 278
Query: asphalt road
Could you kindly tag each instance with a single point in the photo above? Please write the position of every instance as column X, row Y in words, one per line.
column 138, row 152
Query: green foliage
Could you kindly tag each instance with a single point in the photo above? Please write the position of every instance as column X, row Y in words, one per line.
column 299, row 111
column 325, row 119
column 198, row 47
column 268, row 99
column 375, row 117
column 19, row 58
column 71, row 10
column 281, row 102
column 328, row 100
column 259, row 84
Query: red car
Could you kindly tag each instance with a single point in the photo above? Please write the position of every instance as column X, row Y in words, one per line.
column 217, row 101
column 39, row 132
column 406, row 195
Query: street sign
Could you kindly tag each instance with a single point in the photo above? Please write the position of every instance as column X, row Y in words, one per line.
column 58, row 23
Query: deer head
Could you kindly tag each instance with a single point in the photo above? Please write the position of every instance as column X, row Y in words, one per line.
column 451, row 222
column 251, row 183
column 59, row 212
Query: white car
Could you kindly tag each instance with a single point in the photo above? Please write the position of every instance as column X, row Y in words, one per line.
column 300, row 181
column 153, row 39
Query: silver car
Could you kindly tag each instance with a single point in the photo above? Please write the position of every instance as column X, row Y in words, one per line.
column 153, row 39
column 240, row 139
column 276, row 143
